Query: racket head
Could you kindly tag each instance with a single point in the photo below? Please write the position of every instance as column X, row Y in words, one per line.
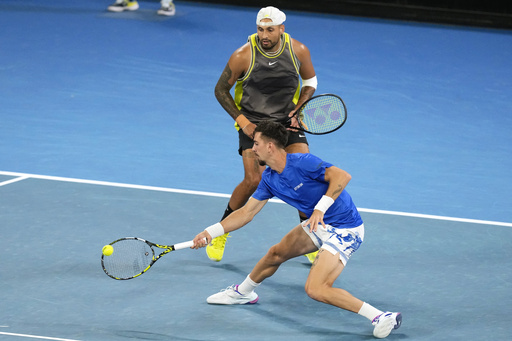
column 322, row 114
column 131, row 258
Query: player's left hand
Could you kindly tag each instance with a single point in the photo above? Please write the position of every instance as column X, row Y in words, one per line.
column 293, row 122
column 316, row 218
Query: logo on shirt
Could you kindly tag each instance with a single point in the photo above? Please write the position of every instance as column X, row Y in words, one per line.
column 298, row 186
column 271, row 63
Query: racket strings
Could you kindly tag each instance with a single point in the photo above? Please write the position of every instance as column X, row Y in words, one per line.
column 130, row 258
column 323, row 114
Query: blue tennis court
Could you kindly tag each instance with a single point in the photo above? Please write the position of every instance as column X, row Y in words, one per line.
column 110, row 128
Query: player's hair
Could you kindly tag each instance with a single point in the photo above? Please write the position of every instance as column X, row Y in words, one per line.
column 274, row 131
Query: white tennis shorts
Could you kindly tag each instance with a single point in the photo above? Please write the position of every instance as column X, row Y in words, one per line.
column 337, row 240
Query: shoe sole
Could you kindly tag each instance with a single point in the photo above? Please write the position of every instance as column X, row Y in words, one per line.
column 254, row 301
column 213, row 259
column 168, row 14
column 119, row 10
column 250, row 302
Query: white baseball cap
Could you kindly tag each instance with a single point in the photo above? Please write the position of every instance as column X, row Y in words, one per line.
column 272, row 13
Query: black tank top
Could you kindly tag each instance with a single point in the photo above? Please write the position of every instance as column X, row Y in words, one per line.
column 270, row 88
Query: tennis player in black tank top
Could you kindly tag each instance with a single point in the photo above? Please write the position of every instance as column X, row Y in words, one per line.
column 267, row 73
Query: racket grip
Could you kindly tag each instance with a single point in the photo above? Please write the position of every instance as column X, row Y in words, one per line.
column 185, row 245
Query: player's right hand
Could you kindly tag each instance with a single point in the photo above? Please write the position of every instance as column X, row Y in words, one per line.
column 201, row 240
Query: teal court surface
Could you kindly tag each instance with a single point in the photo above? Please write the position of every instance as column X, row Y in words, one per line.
column 109, row 128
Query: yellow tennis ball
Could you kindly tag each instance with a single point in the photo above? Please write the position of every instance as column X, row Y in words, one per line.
column 107, row 250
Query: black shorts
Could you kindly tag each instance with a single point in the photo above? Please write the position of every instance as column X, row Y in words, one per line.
column 245, row 142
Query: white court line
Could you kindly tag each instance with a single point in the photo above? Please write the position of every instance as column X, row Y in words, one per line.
column 13, row 180
column 437, row 217
column 210, row 194
column 37, row 337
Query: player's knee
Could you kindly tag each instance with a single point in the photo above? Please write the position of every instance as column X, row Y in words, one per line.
column 316, row 292
column 275, row 255
column 252, row 180
column 250, row 185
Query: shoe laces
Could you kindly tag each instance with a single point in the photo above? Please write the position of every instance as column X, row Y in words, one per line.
column 220, row 241
column 377, row 319
column 233, row 288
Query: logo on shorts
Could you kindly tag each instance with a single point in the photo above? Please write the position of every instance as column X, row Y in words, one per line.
column 298, row 186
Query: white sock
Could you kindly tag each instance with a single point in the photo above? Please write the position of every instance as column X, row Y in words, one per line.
column 247, row 286
column 369, row 312
column 166, row 3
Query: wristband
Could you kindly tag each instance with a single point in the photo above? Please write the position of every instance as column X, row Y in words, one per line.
column 312, row 82
column 215, row 230
column 242, row 121
column 324, row 203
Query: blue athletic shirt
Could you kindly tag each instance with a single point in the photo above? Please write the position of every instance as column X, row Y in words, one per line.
column 302, row 184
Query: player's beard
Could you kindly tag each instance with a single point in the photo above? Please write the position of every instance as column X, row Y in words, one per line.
column 261, row 162
column 269, row 47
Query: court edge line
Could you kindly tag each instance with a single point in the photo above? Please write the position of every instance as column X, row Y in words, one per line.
column 37, row 337
column 220, row 195
column 13, row 180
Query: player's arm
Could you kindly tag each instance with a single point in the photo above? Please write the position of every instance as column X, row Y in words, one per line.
column 234, row 221
column 338, row 179
column 237, row 65
column 243, row 216
column 307, row 73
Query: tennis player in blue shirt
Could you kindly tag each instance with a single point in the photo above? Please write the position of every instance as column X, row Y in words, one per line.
column 334, row 227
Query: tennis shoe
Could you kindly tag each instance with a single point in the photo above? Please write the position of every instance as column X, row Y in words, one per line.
column 125, row 5
column 385, row 323
column 215, row 250
column 231, row 295
column 311, row 256
column 169, row 10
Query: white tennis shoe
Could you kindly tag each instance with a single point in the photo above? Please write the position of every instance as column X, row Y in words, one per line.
column 385, row 323
column 167, row 10
column 231, row 295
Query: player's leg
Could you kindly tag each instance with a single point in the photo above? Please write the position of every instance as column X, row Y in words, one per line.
column 337, row 246
column 294, row 243
column 240, row 195
column 252, row 177
column 297, row 148
column 327, row 267
column 319, row 285
column 297, row 143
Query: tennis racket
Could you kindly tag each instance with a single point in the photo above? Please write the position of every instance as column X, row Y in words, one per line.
column 134, row 256
column 321, row 114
